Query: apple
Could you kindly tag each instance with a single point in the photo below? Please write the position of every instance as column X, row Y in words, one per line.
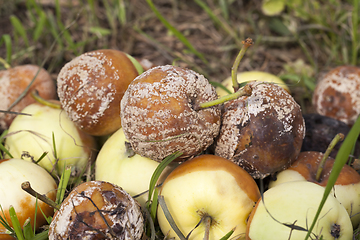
column 337, row 94
column 13, row 172
column 97, row 210
column 118, row 164
column 250, row 76
column 29, row 137
column 347, row 186
column 160, row 115
column 14, row 81
column 211, row 187
column 295, row 203
column 90, row 88
column 262, row 132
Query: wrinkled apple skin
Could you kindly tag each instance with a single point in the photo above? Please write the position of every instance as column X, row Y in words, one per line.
column 30, row 136
column 121, row 166
column 296, row 203
column 13, row 172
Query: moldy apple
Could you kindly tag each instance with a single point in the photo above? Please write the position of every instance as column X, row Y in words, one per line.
column 159, row 113
column 263, row 132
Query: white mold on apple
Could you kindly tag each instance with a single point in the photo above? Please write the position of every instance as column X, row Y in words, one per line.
column 29, row 137
column 337, row 94
column 294, row 204
column 119, row 164
column 263, row 132
column 159, row 113
column 14, row 81
column 90, row 88
column 97, row 210
column 211, row 187
column 13, row 172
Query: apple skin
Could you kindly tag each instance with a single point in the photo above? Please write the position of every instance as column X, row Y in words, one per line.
column 97, row 210
column 13, row 172
column 296, row 203
column 132, row 172
column 212, row 185
column 91, row 86
column 347, row 186
column 251, row 76
column 33, row 134
column 13, row 83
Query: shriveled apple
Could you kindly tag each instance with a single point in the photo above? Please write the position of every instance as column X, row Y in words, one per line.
column 97, row 210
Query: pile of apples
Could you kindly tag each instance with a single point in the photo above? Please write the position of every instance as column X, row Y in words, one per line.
column 237, row 165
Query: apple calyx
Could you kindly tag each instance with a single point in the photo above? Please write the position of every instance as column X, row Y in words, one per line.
column 337, row 138
column 49, row 103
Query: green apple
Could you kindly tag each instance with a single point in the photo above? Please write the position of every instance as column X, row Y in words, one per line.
column 118, row 164
column 347, row 186
column 251, row 76
column 13, row 172
column 29, row 137
column 211, row 187
column 296, row 203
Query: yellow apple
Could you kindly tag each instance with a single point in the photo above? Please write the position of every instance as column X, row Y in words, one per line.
column 118, row 164
column 30, row 136
column 296, row 203
column 251, row 76
column 208, row 186
column 13, row 172
column 346, row 189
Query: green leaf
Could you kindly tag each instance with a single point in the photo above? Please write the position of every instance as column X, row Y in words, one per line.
column 64, row 180
column 8, row 45
column 340, row 161
column 169, row 218
column 99, row 31
column 19, row 28
column 4, row 222
column 16, row 224
column 28, row 230
column 155, row 177
column 40, row 25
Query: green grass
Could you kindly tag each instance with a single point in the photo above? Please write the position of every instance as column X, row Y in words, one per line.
column 203, row 35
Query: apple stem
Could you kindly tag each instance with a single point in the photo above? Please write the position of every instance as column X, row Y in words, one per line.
column 36, row 96
column 27, row 188
column 244, row 91
column 207, row 222
column 246, row 44
column 337, row 138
